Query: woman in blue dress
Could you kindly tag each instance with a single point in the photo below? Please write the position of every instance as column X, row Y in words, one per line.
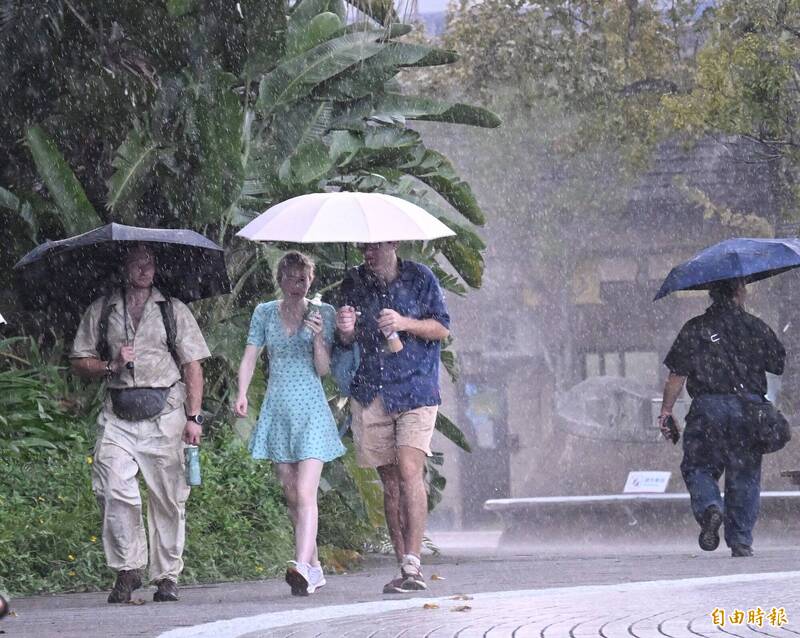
column 295, row 429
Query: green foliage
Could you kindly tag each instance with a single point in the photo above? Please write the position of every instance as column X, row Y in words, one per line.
column 201, row 114
column 746, row 77
column 40, row 406
column 77, row 213
column 237, row 526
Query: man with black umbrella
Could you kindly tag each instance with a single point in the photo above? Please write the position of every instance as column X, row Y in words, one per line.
column 722, row 357
column 142, row 343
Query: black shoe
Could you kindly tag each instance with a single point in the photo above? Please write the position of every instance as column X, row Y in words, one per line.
column 741, row 551
column 127, row 581
column 709, row 529
column 167, row 591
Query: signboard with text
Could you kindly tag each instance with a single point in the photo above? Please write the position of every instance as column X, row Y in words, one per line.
column 647, row 482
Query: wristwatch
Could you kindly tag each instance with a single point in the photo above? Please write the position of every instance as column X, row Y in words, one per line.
column 197, row 418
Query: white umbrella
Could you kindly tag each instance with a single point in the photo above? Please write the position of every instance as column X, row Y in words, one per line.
column 346, row 218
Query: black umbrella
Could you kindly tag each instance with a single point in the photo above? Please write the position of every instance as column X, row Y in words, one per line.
column 68, row 274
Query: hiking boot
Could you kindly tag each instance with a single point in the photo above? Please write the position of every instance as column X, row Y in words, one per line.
column 395, row 586
column 127, row 581
column 412, row 575
column 297, row 577
column 709, row 529
column 167, row 591
column 316, row 578
column 741, row 551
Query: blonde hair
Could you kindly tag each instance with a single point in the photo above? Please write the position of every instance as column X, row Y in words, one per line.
column 294, row 259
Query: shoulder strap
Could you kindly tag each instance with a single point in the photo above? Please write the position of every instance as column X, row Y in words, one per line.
column 171, row 327
column 103, row 351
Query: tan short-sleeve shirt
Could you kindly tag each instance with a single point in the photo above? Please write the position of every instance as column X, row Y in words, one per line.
column 154, row 366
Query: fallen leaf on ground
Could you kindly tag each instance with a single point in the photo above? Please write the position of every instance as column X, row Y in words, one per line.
column 460, row 597
column 430, row 606
column 135, row 601
column 12, row 614
column 462, row 608
column 437, row 577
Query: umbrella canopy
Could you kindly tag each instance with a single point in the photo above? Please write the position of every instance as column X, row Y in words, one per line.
column 748, row 259
column 68, row 274
column 345, row 218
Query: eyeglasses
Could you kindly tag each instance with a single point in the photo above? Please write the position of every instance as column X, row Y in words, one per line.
column 371, row 246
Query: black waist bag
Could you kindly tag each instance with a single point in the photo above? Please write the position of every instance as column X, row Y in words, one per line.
column 770, row 429
column 137, row 404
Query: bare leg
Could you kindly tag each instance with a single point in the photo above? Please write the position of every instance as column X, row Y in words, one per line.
column 390, row 477
column 413, row 498
column 305, row 532
column 287, row 475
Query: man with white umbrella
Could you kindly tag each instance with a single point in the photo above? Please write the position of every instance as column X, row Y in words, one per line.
column 394, row 311
column 395, row 391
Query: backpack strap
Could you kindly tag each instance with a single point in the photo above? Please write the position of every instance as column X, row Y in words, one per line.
column 103, row 351
column 171, row 328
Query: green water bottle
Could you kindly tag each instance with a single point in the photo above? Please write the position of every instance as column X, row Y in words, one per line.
column 192, row 453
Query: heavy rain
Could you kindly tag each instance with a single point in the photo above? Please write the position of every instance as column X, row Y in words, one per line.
column 399, row 318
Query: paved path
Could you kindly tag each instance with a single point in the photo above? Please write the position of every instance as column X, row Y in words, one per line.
column 549, row 593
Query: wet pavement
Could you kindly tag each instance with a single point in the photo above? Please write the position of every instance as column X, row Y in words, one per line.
column 549, row 592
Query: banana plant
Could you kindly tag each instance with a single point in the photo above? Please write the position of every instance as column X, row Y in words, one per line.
column 202, row 114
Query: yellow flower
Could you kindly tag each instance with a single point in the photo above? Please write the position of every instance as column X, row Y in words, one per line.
column 71, row 574
column 89, row 460
column 41, row 498
column 259, row 568
column 93, row 539
column 71, row 557
column 41, row 521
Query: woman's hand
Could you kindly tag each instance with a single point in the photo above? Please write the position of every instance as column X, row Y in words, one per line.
column 240, row 407
column 314, row 324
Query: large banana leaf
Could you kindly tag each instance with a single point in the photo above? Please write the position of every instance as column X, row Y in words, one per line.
column 382, row 11
column 219, row 173
column 467, row 262
column 371, row 76
column 435, row 170
column 306, row 36
column 77, row 214
column 133, row 162
column 307, row 10
column 396, row 108
column 297, row 77
column 308, row 164
column 451, row 431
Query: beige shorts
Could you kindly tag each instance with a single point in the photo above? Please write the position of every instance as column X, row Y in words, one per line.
column 378, row 434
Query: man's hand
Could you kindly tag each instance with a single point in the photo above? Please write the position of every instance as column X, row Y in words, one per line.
column 192, row 433
column 390, row 321
column 126, row 355
column 346, row 320
column 662, row 423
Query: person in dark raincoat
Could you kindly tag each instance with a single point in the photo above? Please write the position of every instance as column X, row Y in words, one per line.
column 395, row 390
column 722, row 356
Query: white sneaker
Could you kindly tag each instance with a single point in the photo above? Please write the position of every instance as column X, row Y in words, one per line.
column 316, row 578
column 297, row 578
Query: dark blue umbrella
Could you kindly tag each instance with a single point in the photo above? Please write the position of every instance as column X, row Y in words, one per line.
column 68, row 274
column 742, row 258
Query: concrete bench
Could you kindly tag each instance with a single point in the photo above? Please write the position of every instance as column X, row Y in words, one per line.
column 546, row 519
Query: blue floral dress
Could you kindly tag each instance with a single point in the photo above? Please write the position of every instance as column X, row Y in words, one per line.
column 295, row 422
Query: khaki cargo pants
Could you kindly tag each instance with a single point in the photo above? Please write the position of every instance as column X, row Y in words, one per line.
column 154, row 449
